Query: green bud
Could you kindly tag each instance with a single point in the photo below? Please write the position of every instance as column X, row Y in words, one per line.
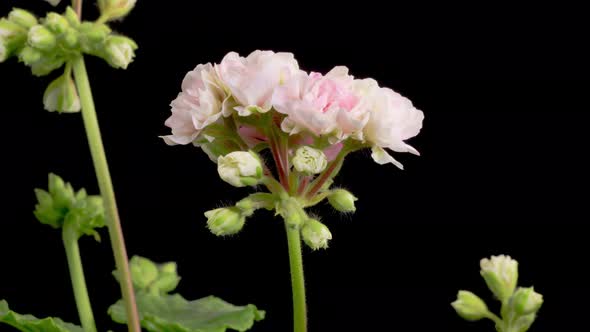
column 71, row 38
column 61, row 96
column 12, row 38
column 115, row 9
column 469, row 306
column 225, row 221
column 501, row 275
column 143, row 272
column 309, row 161
column 526, row 301
column 61, row 204
column 342, row 200
column 54, row 2
column 168, row 279
column 94, row 33
column 120, row 51
column 41, row 38
column 315, row 234
column 46, row 64
column 22, row 18
column 72, row 17
column 56, row 23
column 30, row 55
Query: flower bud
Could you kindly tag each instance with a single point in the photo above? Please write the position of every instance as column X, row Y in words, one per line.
column 315, row 234
column 526, row 301
column 72, row 17
column 22, row 18
column 342, row 200
column 143, row 271
column 41, row 38
column 240, row 168
column 501, row 275
column 29, row 55
column 309, row 161
column 71, row 38
column 61, row 96
column 56, row 23
column 54, row 2
column 61, row 204
column 168, row 279
column 469, row 306
column 94, row 33
column 12, row 38
column 115, row 9
column 120, row 51
column 225, row 221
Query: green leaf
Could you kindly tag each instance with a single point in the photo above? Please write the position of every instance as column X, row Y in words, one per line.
column 173, row 313
column 29, row 323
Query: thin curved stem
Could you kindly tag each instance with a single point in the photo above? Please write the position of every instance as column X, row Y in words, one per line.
column 106, row 189
column 329, row 173
column 297, row 280
column 70, row 241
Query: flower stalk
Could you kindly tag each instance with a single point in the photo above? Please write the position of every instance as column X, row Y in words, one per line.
column 70, row 237
column 107, row 192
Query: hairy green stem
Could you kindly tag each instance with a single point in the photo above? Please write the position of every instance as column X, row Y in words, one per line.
column 106, row 189
column 70, row 239
column 297, row 279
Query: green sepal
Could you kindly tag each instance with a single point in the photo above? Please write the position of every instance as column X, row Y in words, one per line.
column 165, row 313
column 29, row 323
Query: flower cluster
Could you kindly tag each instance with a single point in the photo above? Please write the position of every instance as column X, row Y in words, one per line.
column 310, row 107
column 238, row 108
column 519, row 304
column 54, row 41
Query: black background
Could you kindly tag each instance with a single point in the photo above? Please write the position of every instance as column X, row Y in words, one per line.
column 503, row 166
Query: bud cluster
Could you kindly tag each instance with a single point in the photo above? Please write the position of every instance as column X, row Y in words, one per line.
column 61, row 204
column 151, row 277
column 519, row 305
column 46, row 44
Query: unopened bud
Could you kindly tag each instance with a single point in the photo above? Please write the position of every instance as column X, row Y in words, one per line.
column 309, row 161
column 61, row 96
column 41, row 38
column 12, row 38
column 22, row 18
column 115, row 9
column 30, row 55
column 469, row 306
column 120, row 51
column 225, row 221
column 342, row 200
column 526, row 301
column 501, row 275
column 240, row 168
column 168, row 278
column 315, row 234
column 143, row 271
column 56, row 23
column 72, row 17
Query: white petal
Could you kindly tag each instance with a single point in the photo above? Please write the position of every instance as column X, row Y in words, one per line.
column 381, row 157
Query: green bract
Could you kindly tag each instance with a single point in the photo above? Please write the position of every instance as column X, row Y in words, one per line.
column 60, row 204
